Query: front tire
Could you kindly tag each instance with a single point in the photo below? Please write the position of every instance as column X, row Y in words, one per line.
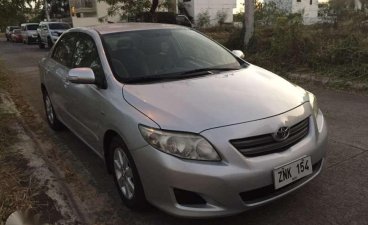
column 51, row 117
column 41, row 45
column 126, row 175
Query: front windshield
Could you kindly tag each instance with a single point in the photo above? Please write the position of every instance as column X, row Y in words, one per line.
column 59, row 26
column 138, row 56
column 32, row 27
column 13, row 28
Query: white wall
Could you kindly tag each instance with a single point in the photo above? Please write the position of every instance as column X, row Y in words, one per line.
column 282, row 4
column 92, row 21
column 309, row 9
column 195, row 7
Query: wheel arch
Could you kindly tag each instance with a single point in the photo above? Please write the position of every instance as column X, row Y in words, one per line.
column 108, row 136
column 43, row 88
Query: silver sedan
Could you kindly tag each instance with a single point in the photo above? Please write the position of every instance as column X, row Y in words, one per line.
column 181, row 122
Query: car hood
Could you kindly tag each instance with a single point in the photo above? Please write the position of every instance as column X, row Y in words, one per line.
column 227, row 98
column 32, row 32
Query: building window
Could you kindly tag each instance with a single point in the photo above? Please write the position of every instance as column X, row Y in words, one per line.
column 310, row 2
column 298, row 0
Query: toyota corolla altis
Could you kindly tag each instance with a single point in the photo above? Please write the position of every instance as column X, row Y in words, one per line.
column 180, row 121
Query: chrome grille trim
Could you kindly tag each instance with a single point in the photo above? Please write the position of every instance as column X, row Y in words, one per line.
column 266, row 144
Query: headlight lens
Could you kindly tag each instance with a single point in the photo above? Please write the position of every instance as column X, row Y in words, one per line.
column 313, row 102
column 183, row 145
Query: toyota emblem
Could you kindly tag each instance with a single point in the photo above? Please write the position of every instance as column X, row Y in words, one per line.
column 281, row 134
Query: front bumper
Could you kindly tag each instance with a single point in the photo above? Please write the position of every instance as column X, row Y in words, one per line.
column 32, row 39
column 226, row 185
column 54, row 39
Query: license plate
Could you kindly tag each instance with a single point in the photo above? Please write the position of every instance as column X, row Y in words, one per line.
column 291, row 172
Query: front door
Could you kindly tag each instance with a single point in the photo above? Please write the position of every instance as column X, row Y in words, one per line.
column 86, row 100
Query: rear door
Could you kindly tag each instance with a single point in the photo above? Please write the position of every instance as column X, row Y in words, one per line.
column 57, row 68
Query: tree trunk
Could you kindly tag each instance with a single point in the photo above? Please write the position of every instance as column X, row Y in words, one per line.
column 248, row 20
column 357, row 5
column 47, row 10
column 154, row 6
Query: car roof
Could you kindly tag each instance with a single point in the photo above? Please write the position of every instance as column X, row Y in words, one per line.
column 29, row 24
column 123, row 27
column 49, row 22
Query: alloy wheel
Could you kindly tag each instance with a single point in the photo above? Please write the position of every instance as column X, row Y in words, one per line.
column 49, row 110
column 124, row 173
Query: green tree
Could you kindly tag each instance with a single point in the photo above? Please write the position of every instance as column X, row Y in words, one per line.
column 12, row 12
column 127, row 8
column 16, row 12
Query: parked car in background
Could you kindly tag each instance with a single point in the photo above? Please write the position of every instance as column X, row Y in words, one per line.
column 181, row 121
column 162, row 17
column 16, row 35
column 29, row 32
column 49, row 32
column 8, row 32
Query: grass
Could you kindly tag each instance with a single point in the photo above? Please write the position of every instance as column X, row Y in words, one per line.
column 336, row 52
column 19, row 190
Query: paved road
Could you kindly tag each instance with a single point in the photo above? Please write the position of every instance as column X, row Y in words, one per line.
column 338, row 196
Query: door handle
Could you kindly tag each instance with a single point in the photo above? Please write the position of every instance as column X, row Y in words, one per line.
column 66, row 82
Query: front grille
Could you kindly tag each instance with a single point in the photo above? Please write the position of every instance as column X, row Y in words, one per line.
column 266, row 144
column 267, row 192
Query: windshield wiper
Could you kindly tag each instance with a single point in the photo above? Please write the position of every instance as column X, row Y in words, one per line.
column 179, row 75
column 208, row 70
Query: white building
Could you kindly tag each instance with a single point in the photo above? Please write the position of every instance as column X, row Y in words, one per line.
column 196, row 7
column 308, row 8
column 87, row 12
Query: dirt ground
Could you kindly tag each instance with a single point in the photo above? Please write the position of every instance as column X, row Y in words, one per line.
column 338, row 196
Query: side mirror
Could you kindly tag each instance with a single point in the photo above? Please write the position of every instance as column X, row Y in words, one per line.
column 238, row 53
column 81, row 76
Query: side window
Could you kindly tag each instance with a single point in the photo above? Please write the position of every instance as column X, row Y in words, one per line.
column 86, row 55
column 64, row 49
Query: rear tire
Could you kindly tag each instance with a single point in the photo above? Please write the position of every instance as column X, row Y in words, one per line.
column 51, row 117
column 126, row 176
column 41, row 45
column 49, row 43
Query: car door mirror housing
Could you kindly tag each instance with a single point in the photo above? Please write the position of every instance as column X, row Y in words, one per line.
column 81, row 76
column 239, row 54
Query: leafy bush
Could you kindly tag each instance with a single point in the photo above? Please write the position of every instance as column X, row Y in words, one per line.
column 203, row 19
column 221, row 17
column 281, row 43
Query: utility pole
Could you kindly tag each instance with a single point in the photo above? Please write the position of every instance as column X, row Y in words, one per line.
column 248, row 20
column 47, row 11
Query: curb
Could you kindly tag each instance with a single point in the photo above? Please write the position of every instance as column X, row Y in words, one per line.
column 62, row 195
column 329, row 81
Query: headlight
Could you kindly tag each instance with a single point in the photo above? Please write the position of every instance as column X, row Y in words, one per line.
column 54, row 33
column 313, row 102
column 183, row 145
